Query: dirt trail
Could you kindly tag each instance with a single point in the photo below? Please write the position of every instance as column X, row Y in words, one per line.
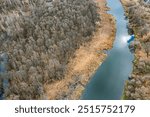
column 87, row 59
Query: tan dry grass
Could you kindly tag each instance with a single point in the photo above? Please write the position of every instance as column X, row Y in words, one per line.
column 86, row 60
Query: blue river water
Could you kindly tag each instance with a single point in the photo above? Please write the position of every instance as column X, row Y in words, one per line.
column 3, row 72
column 109, row 79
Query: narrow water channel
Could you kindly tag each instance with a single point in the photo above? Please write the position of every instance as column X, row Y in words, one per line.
column 108, row 81
column 3, row 73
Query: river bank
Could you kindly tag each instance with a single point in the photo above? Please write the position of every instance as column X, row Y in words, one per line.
column 86, row 61
column 138, row 85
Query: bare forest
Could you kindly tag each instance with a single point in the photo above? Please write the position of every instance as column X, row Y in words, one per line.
column 138, row 87
column 39, row 37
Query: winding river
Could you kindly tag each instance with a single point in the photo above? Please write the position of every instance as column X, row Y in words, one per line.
column 109, row 79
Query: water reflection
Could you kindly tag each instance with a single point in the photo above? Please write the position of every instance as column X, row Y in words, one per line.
column 108, row 81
